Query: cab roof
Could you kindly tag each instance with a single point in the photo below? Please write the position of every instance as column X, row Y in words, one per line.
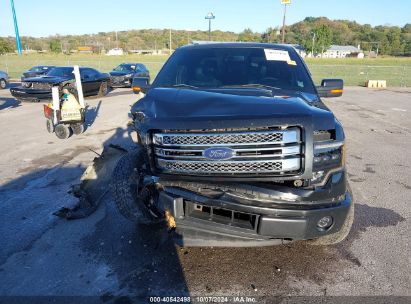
column 206, row 45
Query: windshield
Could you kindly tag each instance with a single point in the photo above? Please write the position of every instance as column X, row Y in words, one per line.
column 125, row 68
column 36, row 69
column 216, row 67
column 61, row 72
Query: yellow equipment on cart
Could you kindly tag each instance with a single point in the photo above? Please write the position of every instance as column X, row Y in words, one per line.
column 66, row 113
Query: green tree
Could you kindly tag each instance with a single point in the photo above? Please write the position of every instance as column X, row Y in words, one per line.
column 271, row 35
column 249, row 36
column 55, row 45
column 323, row 38
column 5, row 46
column 406, row 36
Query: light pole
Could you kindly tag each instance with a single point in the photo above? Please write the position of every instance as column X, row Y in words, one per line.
column 210, row 17
column 285, row 2
column 169, row 42
column 16, row 28
column 312, row 47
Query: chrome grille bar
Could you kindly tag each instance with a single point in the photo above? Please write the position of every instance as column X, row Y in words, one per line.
column 222, row 139
column 184, row 153
column 229, row 167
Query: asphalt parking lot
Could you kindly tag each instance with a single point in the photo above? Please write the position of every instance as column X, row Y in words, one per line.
column 104, row 255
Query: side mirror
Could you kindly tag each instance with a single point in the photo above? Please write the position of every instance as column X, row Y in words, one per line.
column 140, row 84
column 331, row 88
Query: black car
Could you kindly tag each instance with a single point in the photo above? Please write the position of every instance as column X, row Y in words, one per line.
column 38, row 70
column 38, row 88
column 122, row 76
column 236, row 148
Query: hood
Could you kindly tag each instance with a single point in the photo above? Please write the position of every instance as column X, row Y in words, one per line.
column 171, row 108
column 119, row 73
column 49, row 79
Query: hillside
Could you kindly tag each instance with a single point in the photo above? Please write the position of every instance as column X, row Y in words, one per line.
column 390, row 40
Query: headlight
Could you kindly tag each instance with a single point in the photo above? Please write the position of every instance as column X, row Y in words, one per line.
column 328, row 155
column 139, row 116
column 26, row 84
column 128, row 75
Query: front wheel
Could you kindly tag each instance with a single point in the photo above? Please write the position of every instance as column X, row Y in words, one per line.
column 62, row 131
column 134, row 200
column 339, row 236
column 103, row 89
column 49, row 126
column 77, row 129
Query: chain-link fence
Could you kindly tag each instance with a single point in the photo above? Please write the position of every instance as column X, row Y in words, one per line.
column 353, row 74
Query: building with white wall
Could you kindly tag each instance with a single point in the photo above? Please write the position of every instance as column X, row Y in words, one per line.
column 342, row 51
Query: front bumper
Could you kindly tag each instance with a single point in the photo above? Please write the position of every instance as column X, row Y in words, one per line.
column 120, row 82
column 239, row 219
column 30, row 94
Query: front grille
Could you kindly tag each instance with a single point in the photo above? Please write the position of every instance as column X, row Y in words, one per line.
column 117, row 79
column 274, row 152
column 40, row 86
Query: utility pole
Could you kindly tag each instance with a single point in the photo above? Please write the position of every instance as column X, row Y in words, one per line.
column 169, row 43
column 188, row 36
column 312, row 47
column 16, row 28
column 209, row 17
column 285, row 2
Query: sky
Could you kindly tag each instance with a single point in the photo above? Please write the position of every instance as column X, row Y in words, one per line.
column 48, row 17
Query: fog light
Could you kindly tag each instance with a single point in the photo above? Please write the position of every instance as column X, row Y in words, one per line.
column 298, row 183
column 325, row 222
column 335, row 156
column 317, row 159
column 317, row 176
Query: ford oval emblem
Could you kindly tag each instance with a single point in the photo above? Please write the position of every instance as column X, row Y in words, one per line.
column 218, row 153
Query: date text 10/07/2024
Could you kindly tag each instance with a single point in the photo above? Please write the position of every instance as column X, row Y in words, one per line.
column 199, row 299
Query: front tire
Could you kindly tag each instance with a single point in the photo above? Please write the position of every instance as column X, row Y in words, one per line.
column 77, row 129
column 49, row 126
column 103, row 89
column 339, row 236
column 62, row 131
column 131, row 197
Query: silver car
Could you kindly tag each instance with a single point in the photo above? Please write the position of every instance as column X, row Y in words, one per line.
column 4, row 80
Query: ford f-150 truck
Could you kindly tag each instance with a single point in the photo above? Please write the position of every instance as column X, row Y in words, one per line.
column 236, row 148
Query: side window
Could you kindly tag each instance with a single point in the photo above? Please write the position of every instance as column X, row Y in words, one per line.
column 88, row 73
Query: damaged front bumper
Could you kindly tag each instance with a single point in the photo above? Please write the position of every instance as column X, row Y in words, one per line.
column 253, row 215
column 121, row 81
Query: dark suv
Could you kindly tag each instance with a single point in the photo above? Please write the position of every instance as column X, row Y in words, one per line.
column 236, row 148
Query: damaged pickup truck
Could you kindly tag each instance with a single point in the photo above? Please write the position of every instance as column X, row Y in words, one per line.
column 236, row 148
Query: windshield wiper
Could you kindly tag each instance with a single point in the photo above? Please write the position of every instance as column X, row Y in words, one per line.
column 252, row 85
column 181, row 85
